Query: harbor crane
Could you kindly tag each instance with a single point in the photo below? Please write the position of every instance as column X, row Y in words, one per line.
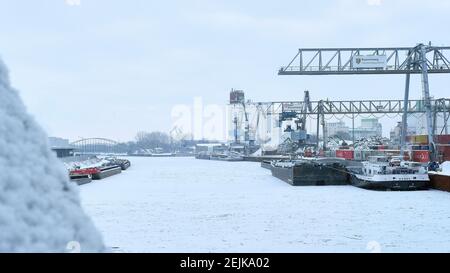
column 237, row 98
column 421, row 59
column 299, row 134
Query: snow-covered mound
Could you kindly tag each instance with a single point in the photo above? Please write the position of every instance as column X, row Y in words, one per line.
column 39, row 210
column 445, row 168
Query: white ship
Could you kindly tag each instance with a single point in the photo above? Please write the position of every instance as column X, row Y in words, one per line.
column 384, row 173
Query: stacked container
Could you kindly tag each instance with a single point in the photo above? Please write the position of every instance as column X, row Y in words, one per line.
column 420, row 147
column 345, row 154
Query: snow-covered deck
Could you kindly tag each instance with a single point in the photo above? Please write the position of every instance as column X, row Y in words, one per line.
column 188, row 205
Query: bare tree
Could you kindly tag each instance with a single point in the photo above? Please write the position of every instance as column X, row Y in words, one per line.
column 153, row 140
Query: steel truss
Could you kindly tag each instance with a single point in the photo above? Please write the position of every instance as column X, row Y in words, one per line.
column 320, row 109
column 357, row 107
column 338, row 61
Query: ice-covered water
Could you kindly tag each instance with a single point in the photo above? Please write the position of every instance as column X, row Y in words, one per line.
column 189, row 205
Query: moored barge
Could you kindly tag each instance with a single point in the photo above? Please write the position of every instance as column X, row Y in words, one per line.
column 106, row 171
column 81, row 179
column 440, row 181
column 311, row 172
column 266, row 164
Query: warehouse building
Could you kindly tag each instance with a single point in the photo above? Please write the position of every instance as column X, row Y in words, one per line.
column 61, row 147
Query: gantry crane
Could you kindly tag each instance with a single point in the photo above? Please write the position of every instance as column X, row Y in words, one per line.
column 421, row 59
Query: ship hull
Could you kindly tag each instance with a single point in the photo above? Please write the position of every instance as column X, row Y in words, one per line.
column 266, row 164
column 228, row 159
column 389, row 184
column 311, row 175
column 107, row 172
column 81, row 179
column 203, row 156
column 440, row 182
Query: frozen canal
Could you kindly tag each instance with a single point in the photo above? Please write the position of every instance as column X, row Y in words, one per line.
column 189, row 205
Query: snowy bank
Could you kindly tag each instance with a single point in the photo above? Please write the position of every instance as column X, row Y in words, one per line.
column 39, row 210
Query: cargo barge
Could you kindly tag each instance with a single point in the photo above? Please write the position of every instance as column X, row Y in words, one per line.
column 311, row 172
column 203, row 155
column 81, row 179
column 124, row 164
column 266, row 158
column 226, row 156
column 81, row 176
column 439, row 181
column 266, row 164
column 107, row 171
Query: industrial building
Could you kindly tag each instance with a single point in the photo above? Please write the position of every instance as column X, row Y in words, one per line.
column 61, row 147
column 338, row 129
column 370, row 127
column 396, row 132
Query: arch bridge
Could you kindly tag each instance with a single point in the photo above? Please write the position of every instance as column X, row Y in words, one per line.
column 95, row 146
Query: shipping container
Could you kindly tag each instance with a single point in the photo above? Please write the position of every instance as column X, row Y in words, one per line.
column 443, row 147
column 346, row 154
column 443, row 152
column 382, row 147
column 421, row 156
column 425, row 148
column 423, row 139
column 442, row 139
column 419, row 139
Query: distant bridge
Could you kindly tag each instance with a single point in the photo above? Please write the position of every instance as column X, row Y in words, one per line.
column 94, row 146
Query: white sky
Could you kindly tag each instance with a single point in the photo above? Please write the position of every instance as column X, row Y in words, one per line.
column 111, row 68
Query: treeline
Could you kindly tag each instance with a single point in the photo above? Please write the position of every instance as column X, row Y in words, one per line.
column 152, row 141
column 148, row 142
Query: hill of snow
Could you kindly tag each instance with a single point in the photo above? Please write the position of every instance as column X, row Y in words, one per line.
column 39, row 209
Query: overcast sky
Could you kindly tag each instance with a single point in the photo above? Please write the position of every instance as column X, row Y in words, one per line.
column 110, row 68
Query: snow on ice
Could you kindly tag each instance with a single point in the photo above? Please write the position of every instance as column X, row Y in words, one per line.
column 39, row 210
column 446, row 168
column 189, row 205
